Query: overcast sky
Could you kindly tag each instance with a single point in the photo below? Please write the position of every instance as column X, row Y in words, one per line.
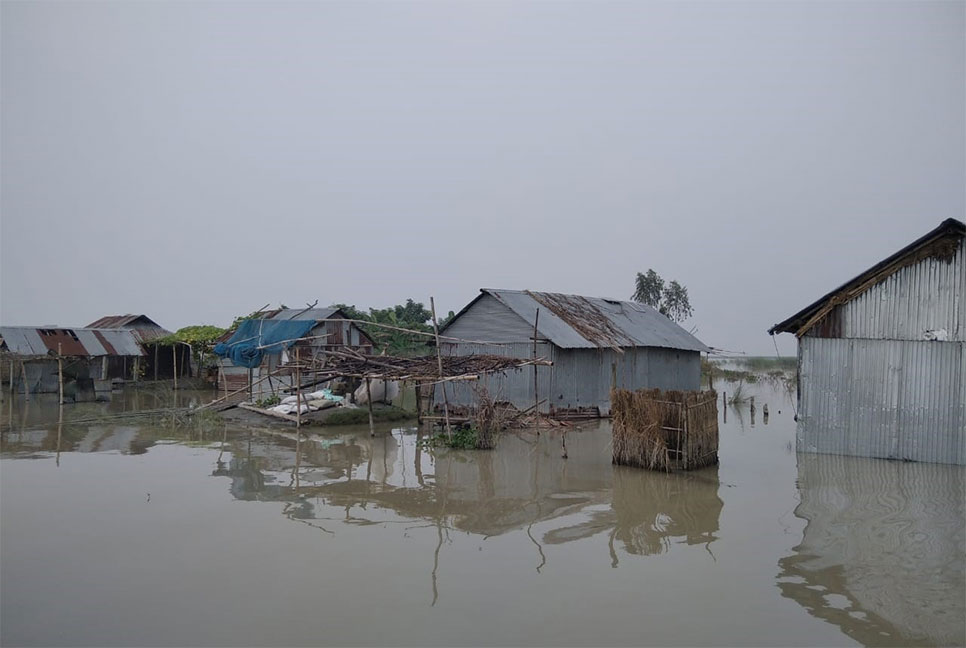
column 195, row 161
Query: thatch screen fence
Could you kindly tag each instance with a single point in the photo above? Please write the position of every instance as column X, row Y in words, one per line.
column 665, row 430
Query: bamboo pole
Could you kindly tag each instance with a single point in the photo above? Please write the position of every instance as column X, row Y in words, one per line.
column 60, row 375
column 156, row 345
column 419, row 403
column 439, row 361
column 12, row 387
column 536, row 397
column 298, row 391
column 174, row 358
column 372, row 427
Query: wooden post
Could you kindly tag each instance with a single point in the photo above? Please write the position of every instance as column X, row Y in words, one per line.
column 419, row 403
column 174, row 357
column 60, row 375
column 249, row 385
column 536, row 398
column 372, row 428
column 156, row 362
column 439, row 362
column 12, row 387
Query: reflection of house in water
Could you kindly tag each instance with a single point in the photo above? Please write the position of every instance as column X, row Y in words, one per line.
column 651, row 510
column 75, row 438
column 524, row 482
column 882, row 554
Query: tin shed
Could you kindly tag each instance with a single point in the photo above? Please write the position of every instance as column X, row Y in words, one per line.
column 595, row 344
column 881, row 358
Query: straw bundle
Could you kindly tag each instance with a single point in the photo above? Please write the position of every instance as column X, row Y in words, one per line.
column 664, row 430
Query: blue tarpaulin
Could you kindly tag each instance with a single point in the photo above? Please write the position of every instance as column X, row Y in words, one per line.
column 255, row 337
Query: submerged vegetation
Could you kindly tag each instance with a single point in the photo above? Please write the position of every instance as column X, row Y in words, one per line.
column 464, row 438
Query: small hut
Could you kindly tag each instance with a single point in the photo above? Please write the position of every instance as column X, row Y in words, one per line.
column 665, row 430
column 593, row 345
column 258, row 352
column 92, row 359
column 160, row 361
column 882, row 358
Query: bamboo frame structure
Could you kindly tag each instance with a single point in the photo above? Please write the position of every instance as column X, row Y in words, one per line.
column 665, row 430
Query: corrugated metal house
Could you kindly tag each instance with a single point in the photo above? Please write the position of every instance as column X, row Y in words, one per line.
column 595, row 344
column 329, row 334
column 160, row 361
column 100, row 355
column 881, row 359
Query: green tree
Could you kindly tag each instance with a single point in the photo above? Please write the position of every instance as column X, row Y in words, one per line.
column 411, row 316
column 670, row 299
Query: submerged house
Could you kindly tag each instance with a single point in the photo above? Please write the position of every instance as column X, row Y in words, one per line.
column 259, row 349
column 160, row 361
column 93, row 358
column 882, row 358
column 594, row 344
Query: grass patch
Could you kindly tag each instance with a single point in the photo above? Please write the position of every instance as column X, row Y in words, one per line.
column 360, row 416
column 270, row 401
column 465, row 438
column 762, row 364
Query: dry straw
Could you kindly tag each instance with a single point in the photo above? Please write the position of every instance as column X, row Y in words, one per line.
column 665, row 430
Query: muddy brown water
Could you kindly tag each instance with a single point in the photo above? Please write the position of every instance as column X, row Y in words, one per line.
column 120, row 533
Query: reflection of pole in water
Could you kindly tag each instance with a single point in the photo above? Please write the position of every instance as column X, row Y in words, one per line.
column 418, row 461
column 764, row 413
column 60, row 429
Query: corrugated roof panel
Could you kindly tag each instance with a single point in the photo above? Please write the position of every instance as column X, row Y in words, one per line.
column 574, row 322
column 26, row 340
column 92, row 345
column 23, row 340
column 125, row 343
column 303, row 314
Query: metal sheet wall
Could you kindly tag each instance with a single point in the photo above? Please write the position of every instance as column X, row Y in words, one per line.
column 514, row 385
column 579, row 378
column 897, row 399
column 928, row 295
column 488, row 320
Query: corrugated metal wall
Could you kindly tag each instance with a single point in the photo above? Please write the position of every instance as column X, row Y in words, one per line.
column 928, row 295
column 579, row 378
column 897, row 399
column 488, row 320
column 514, row 386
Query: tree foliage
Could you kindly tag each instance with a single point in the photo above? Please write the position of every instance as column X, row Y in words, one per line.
column 670, row 299
column 412, row 316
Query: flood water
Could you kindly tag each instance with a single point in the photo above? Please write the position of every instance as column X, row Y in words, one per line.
column 117, row 533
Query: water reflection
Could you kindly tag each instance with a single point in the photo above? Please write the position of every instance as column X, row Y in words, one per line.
column 882, row 553
column 525, row 482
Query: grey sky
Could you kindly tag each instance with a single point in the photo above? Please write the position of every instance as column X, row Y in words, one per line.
column 194, row 161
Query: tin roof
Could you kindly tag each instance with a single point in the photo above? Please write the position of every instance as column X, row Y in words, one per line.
column 574, row 321
column 940, row 242
column 26, row 340
column 146, row 327
column 302, row 314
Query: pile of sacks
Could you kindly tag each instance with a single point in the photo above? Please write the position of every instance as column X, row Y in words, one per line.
column 311, row 402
